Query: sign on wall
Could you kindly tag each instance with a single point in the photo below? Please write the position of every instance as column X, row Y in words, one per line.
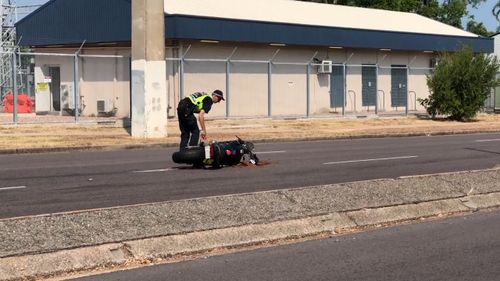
column 42, row 87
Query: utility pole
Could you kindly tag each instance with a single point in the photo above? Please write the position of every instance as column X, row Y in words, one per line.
column 149, row 83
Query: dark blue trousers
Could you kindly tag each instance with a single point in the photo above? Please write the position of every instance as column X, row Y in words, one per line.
column 190, row 133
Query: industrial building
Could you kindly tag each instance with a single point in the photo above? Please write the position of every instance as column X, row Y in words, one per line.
column 495, row 100
column 270, row 57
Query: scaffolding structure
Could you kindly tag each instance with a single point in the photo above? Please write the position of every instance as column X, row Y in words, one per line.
column 10, row 13
column 8, row 18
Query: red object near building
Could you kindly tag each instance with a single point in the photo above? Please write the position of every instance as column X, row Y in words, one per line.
column 24, row 104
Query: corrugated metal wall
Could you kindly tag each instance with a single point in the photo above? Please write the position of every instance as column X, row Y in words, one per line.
column 72, row 22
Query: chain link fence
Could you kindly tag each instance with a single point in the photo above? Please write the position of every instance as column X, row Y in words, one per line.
column 94, row 86
column 66, row 88
column 300, row 89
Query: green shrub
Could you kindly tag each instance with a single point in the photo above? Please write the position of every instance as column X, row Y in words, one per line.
column 460, row 84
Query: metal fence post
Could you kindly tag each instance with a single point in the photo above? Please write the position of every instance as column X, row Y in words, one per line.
column 181, row 79
column 269, row 88
column 345, row 90
column 76, row 78
column 376, row 90
column 76, row 85
column 14, row 85
column 308, row 93
column 228, row 70
column 407, row 88
column 228, row 85
column 308, row 83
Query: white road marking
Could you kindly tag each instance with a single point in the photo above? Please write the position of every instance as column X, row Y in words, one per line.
column 270, row 152
column 490, row 140
column 12, row 187
column 153, row 171
column 370, row 160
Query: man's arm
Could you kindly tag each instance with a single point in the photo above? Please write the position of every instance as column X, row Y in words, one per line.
column 201, row 117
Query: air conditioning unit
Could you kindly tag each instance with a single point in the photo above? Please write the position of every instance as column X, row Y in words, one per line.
column 102, row 106
column 325, row 66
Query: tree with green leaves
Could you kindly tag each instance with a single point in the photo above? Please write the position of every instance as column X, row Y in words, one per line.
column 460, row 84
column 496, row 11
column 477, row 28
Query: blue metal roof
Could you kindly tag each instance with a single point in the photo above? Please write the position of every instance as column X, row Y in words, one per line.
column 188, row 27
column 63, row 22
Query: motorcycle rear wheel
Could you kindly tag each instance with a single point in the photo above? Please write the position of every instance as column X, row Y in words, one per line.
column 193, row 155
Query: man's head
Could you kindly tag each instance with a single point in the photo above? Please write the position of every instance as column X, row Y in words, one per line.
column 217, row 96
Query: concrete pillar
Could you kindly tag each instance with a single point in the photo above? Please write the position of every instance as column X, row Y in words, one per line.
column 149, row 82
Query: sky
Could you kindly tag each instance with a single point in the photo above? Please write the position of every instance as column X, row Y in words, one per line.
column 482, row 14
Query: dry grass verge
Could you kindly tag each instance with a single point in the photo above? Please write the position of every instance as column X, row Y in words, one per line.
column 70, row 135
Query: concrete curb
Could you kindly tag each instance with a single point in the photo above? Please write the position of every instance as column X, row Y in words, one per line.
column 83, row 148
column 159, row 248
column 261, row 140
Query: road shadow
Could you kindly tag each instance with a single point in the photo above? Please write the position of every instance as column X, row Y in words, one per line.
column 243, row 164
column 443, row 119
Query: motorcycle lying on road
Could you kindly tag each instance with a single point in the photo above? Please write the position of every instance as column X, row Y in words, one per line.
column 217, row 154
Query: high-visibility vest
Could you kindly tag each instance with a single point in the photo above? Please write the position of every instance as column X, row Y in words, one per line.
column 197, row 100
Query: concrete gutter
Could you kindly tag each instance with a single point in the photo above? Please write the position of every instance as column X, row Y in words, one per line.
column 55, row 244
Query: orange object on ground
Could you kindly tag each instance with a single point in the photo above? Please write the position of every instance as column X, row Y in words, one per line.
column 24, row 104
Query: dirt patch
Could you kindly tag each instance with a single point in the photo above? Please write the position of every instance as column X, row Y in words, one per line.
column 264, row 163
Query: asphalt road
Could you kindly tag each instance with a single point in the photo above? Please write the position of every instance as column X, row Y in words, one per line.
column 57, row 182
column 462, row 248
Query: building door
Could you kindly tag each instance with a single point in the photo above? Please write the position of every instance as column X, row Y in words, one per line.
column 399, row 89
column 337, row 86
column 55, row 87
column 369, row 81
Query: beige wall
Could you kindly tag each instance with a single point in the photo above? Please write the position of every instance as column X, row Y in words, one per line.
column 44, row 100
column 418, row 79
column 173, row 81
column 100, row 79
column 249, row 81
column 105, row 79
column 108, row 78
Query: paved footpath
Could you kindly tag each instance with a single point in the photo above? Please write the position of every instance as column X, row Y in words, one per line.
column 64, row 243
